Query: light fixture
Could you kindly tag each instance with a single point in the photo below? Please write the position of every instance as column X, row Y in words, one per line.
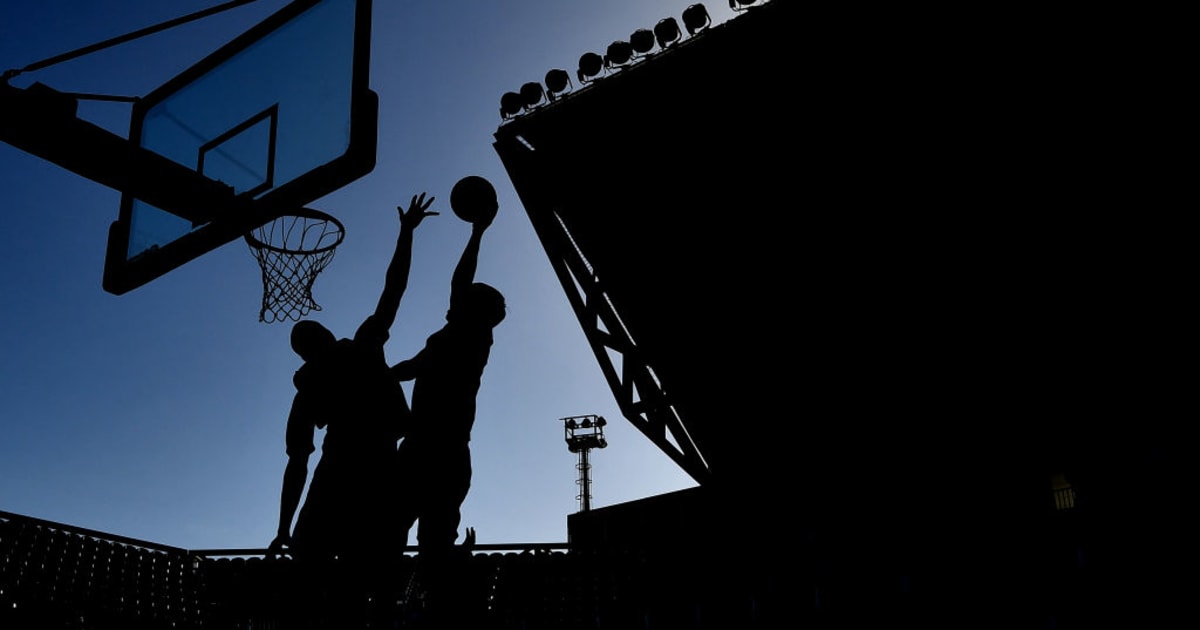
column 557, row 82
column 619, row 53
column 696, row 19
column 510, row 105
column 742, row 5
column 642, row 41
column 666, row 32
column 590, row 65
column 532, row 95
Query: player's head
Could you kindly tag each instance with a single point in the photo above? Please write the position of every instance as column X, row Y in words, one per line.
column 310, row 339
column 482, row 305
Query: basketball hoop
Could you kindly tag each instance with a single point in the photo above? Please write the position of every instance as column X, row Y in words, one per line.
column 291, row 251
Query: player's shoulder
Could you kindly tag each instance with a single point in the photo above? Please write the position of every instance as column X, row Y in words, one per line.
column 318, row 374
column 303, row 378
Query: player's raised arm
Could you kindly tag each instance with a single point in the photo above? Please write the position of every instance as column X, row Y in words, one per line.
column 396, row 280
column 464, row 272
column 474, row 200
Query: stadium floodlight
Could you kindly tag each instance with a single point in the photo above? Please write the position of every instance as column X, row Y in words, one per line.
column 666, row 32
column 510, row 105
column 618, row 54
column 590, row 65
column 532, row 95
column 557, row 83
column 742, row 5
column 696, row 19
column 642, row 41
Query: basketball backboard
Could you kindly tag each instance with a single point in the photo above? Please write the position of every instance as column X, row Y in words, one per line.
column 282, row 115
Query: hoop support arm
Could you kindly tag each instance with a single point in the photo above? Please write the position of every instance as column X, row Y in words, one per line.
column 42, row 122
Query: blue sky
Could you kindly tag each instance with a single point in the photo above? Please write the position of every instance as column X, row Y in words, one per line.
column 159, row 414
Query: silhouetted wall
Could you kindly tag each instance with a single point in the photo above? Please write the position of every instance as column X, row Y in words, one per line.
column 887, row 269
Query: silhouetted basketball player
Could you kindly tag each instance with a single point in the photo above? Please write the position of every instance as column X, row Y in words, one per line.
column 344, row 386
column 434, row 460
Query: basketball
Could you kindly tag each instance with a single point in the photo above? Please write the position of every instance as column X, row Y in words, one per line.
column 473, row 198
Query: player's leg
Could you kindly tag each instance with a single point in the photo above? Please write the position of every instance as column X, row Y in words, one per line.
column 443, row 568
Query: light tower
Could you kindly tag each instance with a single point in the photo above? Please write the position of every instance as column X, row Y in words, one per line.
column 583, row 433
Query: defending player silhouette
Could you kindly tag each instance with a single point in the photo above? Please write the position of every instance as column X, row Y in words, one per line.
column 434, row 459
column 344, row 386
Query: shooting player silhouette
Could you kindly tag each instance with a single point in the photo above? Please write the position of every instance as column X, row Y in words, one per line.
column 434, row 459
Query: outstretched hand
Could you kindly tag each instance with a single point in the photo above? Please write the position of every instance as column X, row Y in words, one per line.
column 418, row 209
column 485, row 218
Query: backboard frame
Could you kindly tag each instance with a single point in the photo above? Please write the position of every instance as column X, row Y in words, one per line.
column 245, row 212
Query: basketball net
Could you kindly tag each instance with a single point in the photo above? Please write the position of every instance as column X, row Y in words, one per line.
column 291, row 251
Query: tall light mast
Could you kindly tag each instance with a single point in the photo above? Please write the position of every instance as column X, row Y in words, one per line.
column 583, row 433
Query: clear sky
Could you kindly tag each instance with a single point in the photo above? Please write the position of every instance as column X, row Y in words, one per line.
column 160, row 414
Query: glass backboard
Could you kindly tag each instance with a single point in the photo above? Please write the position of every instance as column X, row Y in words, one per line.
column 282, row 115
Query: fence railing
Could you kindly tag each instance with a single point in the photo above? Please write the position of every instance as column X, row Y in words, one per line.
column 1064, row 498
